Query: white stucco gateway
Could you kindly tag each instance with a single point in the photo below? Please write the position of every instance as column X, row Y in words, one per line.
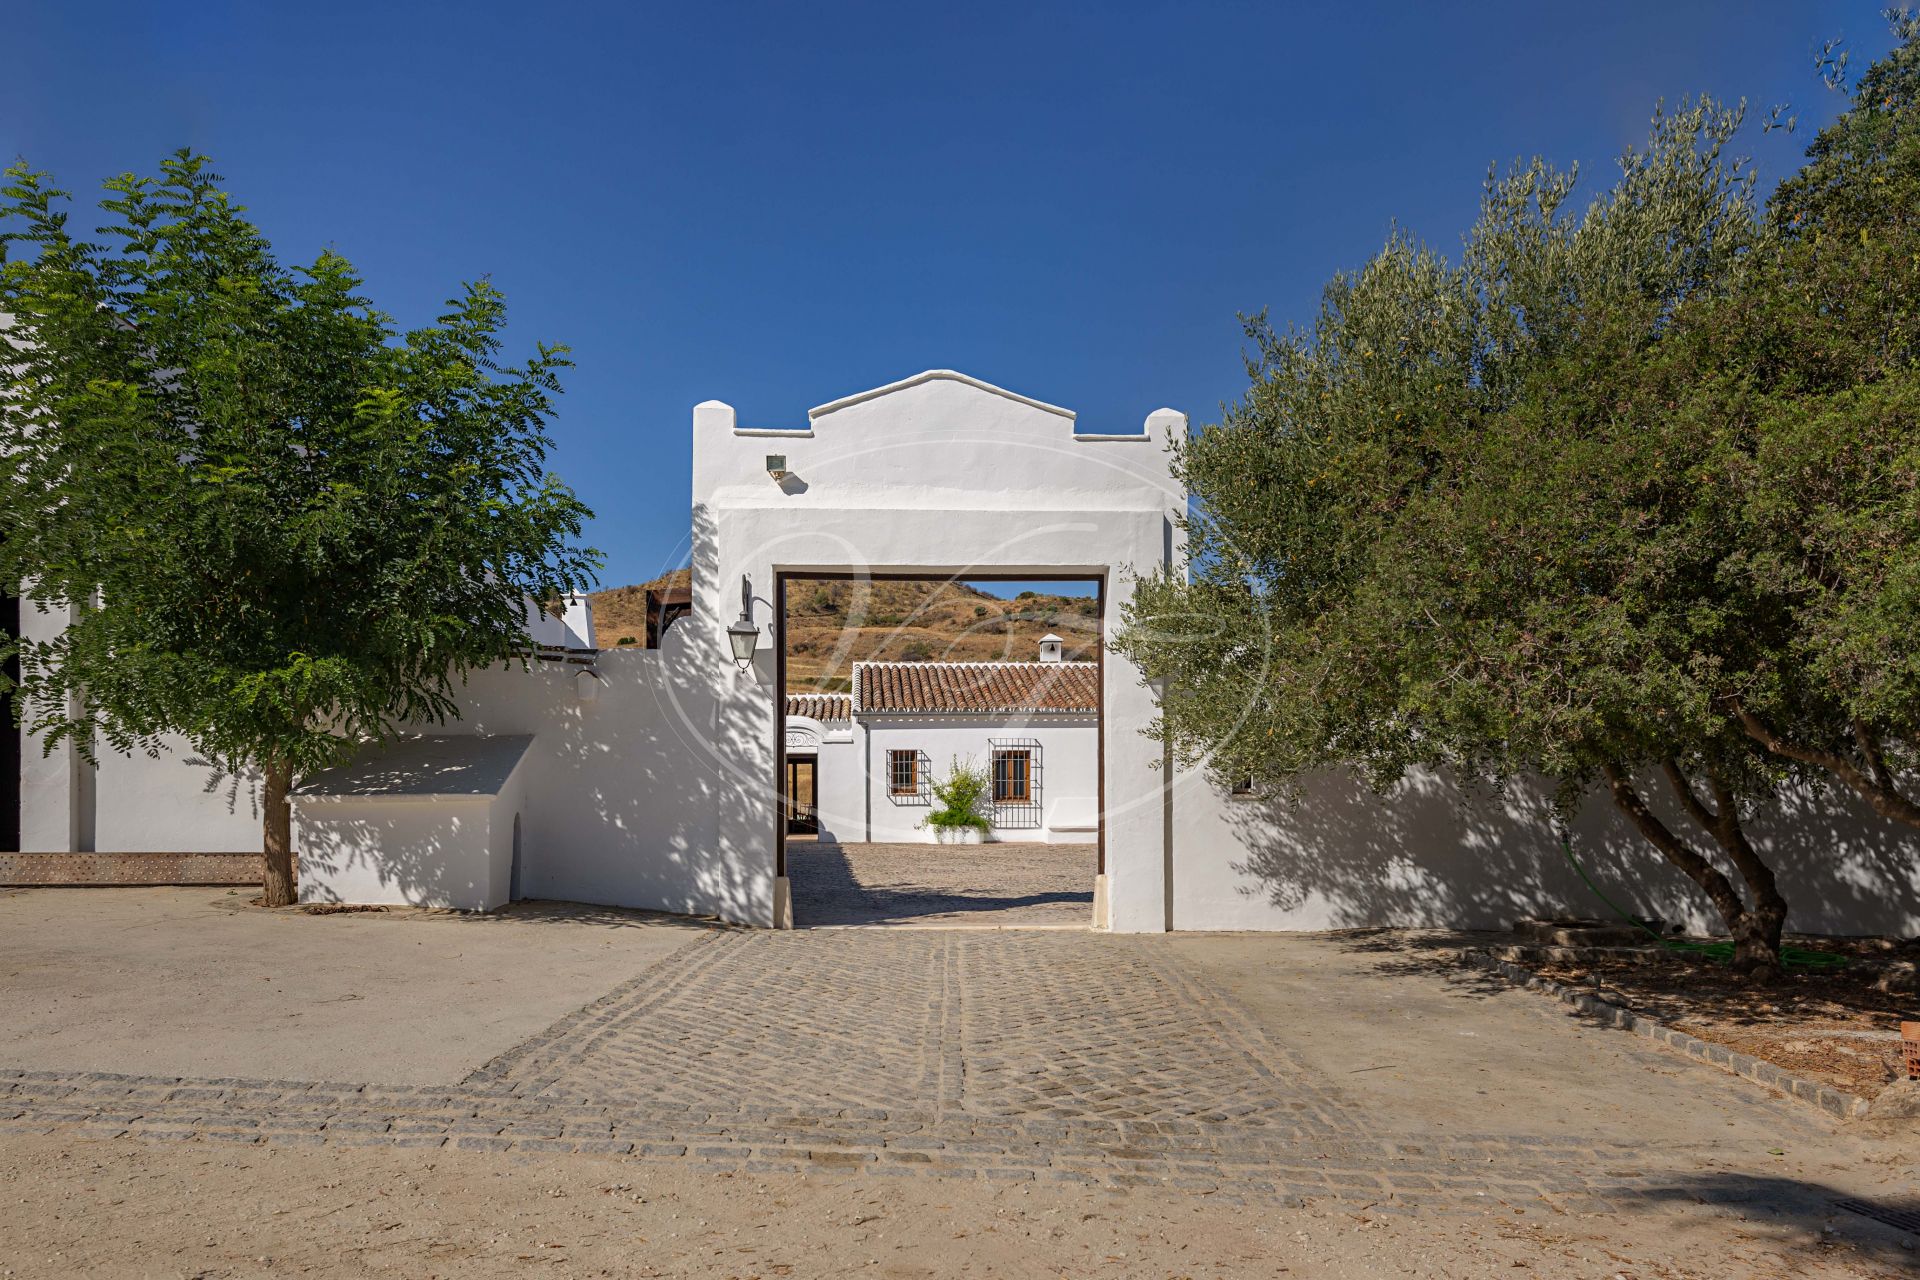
column 937, row 475
column 651, row 778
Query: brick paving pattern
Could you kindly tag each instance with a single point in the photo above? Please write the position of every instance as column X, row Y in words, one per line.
column 1004, row 884
column 1004, row 1056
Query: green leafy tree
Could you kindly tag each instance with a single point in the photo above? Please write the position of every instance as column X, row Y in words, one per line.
column 283, row 528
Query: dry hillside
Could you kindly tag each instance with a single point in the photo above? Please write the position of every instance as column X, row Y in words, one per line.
column 832, row 625
column 622, row 611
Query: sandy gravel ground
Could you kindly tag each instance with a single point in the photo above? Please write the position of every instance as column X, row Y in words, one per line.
column 113, row 1208
column 169, row 981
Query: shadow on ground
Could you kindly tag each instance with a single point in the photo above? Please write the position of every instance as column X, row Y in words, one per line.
column 903, row 884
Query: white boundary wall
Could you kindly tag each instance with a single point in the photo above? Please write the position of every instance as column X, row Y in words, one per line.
column 659, row 790
column 1435, row 854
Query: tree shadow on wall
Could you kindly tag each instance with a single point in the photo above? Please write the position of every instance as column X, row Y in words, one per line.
column 1433, row 853
column 623, row 785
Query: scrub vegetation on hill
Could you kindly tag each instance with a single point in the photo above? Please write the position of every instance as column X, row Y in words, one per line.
column 832, row 625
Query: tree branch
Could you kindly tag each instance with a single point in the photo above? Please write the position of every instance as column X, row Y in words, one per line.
column 1885, row 799
column 1870, row 749
column 1726, row 899
column 1683, row 788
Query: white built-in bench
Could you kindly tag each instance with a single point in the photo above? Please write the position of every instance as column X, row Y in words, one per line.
column 1073, row 820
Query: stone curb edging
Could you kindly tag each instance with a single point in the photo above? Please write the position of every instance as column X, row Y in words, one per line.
column 1840, row 1105
column 142, row 870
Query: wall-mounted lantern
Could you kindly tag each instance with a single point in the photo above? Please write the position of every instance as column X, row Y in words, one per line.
column 742, row 634
column 777, row 466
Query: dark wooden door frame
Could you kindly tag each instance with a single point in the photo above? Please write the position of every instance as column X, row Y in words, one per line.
column 10, row 753
column 782, row 576
column 790, row 782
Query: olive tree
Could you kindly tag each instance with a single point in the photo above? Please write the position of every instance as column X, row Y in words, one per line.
column 1448, row 554
column 281, row 528
column 1819, row 365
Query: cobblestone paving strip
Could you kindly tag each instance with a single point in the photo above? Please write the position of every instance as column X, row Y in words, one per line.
column 1011, row 1057
column 1202, row 1157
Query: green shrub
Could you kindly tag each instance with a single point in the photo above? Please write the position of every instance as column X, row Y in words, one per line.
column 959, row 798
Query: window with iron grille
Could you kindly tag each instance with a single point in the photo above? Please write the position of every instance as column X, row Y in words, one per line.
column 908, row 778
column 1016, row 782
column 1013, row 777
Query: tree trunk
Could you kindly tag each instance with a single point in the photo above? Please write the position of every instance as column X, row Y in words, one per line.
column 277, row 821
column 1756, row 952
column 1755, row 932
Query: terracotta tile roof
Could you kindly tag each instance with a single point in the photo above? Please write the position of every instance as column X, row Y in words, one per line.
column 821, row 706
column 994, row 687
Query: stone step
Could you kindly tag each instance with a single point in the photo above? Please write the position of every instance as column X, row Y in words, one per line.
column 1579, row 933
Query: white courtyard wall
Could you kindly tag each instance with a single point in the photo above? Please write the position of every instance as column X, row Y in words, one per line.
column 128, row 803
column 177, row 803
column 1434, row 854
column 840, row 775
column 621, row 787
column 56, row 787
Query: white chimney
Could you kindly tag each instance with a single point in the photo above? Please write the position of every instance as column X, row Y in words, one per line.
column 1050, row 647
column 579, row 623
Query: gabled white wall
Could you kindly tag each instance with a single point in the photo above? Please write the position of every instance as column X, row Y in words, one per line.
column 936, row 474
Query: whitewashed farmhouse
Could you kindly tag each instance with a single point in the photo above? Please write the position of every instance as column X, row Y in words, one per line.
column 861, row 766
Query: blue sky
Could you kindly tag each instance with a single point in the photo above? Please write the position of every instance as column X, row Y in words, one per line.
column 776, row 205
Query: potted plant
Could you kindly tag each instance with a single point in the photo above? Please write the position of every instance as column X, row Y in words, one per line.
column 957, row 818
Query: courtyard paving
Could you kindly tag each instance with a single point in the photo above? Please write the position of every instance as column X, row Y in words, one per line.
column 986, row 886
column 1061, row 1056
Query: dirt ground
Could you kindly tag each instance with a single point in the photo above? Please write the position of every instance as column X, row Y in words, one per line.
column 1828, row 1025
column 1437, row 1047
column 124, row 1209
column 1727, row 1180
column 194, row 982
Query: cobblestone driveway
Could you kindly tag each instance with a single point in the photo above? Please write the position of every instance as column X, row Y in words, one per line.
column 973, row 886
column 1007, row 1056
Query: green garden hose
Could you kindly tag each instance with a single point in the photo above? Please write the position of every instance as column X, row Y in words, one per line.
column 1718, row 952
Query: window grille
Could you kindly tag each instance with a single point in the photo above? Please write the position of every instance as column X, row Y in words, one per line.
column 1016, row 782
column 909, row 779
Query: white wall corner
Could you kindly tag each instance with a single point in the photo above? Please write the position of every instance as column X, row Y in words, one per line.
column 1166, row 424
column 713, row 415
